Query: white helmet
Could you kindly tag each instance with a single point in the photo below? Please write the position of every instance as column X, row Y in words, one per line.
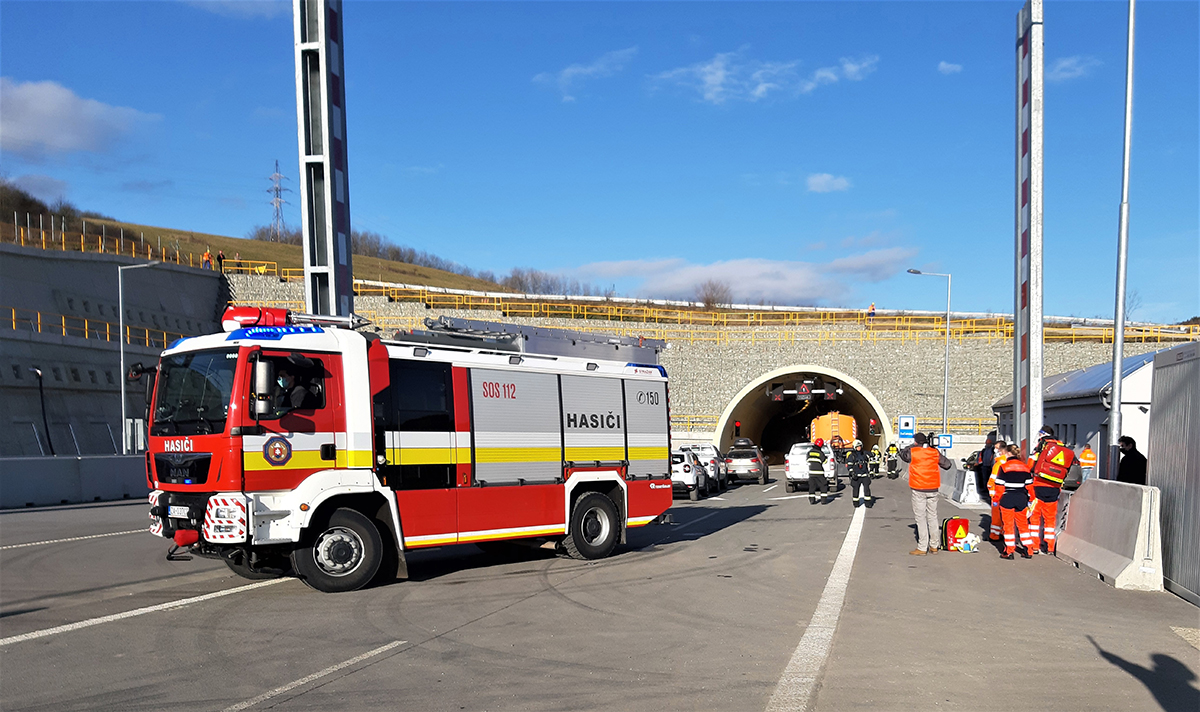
column 857, row 443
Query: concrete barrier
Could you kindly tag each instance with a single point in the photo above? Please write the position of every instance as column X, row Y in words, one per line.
column 37, row 481
column 962, row 489
column 1112, row 530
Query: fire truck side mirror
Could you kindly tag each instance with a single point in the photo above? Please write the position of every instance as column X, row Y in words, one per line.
column 264, row 380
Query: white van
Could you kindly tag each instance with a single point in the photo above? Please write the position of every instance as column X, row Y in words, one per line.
column 796, row 466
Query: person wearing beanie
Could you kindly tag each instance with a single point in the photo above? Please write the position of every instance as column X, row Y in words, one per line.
column 924, row 478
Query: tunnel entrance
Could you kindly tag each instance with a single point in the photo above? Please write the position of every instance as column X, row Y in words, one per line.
column 776, row 410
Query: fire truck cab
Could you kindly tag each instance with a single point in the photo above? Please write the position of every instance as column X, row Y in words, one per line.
column 300, row 444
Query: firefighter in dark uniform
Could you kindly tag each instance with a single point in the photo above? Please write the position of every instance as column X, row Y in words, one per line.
column 893, row 461
column 860, row 475
column 816, row 473
column 874, row 458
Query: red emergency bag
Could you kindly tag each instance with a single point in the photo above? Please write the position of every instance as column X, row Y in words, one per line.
column 954, row 529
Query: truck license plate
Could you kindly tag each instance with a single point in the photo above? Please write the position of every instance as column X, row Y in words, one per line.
column 177, row 511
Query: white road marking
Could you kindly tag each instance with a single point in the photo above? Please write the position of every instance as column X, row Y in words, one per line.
column 771, row 487
column 716, row 499
column 143, row 530
column 315, row 676
column 795, row 690
column 131, row 614
column 791, row 496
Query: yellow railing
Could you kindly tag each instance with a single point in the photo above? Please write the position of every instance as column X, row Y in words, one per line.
column 961, row 426
column 291, row 274
column 258, row 267
column 82, row 327
column 691, row 423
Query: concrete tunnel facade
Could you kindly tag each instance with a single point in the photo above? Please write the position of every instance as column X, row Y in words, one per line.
column 776, row 425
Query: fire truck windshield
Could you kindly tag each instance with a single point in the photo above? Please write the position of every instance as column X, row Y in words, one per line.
column 193, row 392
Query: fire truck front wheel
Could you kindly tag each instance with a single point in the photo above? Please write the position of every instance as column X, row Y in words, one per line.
column 594, row 528
column 342, row 555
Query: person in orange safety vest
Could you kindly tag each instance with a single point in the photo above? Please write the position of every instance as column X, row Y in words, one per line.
column 1054, row 463
column 1014, row 485
column 1087, row 461
column 1000, row 457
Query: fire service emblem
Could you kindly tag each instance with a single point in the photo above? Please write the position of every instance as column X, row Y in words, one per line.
column 277, row 451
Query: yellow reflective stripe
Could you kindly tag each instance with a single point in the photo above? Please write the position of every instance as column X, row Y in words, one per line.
column 354, row 458
column 415, row 542
column 464, row 455
column 648, row 453
column 518, row 454
column 426, row 456
column 300, row 460
column 595, row 453
column 523, row 533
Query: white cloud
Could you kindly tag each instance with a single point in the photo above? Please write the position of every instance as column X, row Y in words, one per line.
column 40, row 118
column 948, row 68
column 567, row 79
column 44, row 188
column 827, row 183
column 728, row 76
column 245, row 9
column 1066, row 68
column 753, row 279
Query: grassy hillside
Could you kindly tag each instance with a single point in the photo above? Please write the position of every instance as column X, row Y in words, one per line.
column 290, row 256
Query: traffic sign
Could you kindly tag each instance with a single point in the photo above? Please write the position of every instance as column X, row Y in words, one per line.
column 908, row 426
column 945, row 441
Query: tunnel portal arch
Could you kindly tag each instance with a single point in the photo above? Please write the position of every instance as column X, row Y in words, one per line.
column 775, row 425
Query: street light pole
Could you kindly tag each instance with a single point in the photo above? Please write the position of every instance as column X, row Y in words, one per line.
column 946, row 369
column 1118, row 364
column 121, row 334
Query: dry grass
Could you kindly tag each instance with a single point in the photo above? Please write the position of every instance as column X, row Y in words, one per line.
column 290, row 256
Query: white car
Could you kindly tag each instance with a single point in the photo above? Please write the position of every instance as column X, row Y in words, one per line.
column 713, row 463
column 796, row 466
column 688, row 475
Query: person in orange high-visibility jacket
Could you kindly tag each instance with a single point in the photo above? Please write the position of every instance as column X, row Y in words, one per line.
column 1053, row 465
column 1087, row 461
column 1014, row 487
column 1000, row 457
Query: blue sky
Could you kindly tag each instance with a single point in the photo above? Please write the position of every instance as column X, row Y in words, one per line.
column 803, row 152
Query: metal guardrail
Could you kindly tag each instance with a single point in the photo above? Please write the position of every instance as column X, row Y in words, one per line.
column 81, row 327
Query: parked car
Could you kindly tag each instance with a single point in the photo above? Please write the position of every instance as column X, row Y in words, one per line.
column 688, row 476
column 796, row 466
column 713, row 463
column 746, row 461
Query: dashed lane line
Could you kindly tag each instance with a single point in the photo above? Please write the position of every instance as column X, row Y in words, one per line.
column 791, row 496
column 771, row 487
column 143, row 530
column 315, row 676
column 794, row 692
column 134, row 613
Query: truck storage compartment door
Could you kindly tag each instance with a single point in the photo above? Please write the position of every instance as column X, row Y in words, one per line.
column 593, row 420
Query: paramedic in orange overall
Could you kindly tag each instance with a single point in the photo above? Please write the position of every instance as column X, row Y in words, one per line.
column 924, row 478
column 1053, row 464
column 1014, row 487
column 997, row 461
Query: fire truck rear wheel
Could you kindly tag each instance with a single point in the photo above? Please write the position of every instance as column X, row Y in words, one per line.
column 594, row 528
column 341, row 556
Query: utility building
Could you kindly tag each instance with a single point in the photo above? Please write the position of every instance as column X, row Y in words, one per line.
column 1077, row 405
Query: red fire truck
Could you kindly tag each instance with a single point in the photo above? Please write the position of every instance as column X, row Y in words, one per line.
column 301, row 444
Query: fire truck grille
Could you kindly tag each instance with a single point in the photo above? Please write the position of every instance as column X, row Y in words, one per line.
column 182, row 469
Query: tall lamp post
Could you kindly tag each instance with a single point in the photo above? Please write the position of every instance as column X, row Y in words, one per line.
column 121, row 331
column 946, row 385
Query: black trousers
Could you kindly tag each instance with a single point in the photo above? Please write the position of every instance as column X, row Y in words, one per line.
column 861, row 483
column 817, row 483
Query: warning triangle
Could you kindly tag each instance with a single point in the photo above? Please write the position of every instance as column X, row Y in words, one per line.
column 1059, row 459
column 962, row 532
column 804, row 390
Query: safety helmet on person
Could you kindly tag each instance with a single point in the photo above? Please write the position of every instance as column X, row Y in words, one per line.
column 857, row 443
column 819, row 442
